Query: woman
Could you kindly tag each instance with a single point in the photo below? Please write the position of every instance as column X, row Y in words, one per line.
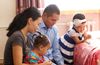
column 17, row 44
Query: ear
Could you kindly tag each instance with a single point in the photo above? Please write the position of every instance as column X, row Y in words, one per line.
column 30, row 21
column 41, row 47
column 45, row 14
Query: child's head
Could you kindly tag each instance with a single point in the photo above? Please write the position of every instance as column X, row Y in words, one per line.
column 41, row 43
column 79, row 22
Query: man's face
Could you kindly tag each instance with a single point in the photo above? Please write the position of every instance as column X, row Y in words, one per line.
column 51, row 20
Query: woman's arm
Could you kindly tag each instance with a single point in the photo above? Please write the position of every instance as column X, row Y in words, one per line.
column 18, row 56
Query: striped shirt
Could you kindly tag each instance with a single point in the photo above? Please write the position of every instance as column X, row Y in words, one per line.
column 67, row 45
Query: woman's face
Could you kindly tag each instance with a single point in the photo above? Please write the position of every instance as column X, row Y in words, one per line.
column 34, row 25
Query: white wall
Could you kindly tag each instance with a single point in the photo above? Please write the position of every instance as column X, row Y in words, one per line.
column 7, row 12
column 75, row 4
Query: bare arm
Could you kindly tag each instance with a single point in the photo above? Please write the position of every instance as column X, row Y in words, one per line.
column 18, row 56
column 77, row 40
column 87, row 36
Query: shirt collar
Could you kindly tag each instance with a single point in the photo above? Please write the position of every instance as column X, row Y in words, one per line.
column 42, row 25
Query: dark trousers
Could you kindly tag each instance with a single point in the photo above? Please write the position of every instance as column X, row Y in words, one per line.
column 54, row 61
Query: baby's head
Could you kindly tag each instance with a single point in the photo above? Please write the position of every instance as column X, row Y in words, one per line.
column 79, row 22
column 41, row 43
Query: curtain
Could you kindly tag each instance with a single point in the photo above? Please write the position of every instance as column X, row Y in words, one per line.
column 23, row 4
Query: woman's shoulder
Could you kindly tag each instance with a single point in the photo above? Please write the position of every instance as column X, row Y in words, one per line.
column 16, row 36
column 17, row 33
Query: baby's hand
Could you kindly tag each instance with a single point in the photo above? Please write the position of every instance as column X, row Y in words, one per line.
column 87, row 36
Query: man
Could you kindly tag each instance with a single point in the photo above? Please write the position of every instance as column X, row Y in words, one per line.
column 49, row 18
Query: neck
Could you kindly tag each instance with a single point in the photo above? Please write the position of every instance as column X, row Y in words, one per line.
column 24, row 32
column 36, row 52
column 47, row 26
column 75, row 29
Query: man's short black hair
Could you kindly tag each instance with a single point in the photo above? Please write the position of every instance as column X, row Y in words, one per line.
column 51, row 9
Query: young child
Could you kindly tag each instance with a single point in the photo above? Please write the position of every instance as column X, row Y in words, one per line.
column 77, row 34
column 40, row 46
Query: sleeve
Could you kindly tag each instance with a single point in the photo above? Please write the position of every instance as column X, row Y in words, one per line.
column 17, row 40
column 72, row 33
column 47, row 59
column 56, row 52
column 31, row 58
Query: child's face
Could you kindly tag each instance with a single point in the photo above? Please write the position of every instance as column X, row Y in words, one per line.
column 44, row 49
column 81, row 28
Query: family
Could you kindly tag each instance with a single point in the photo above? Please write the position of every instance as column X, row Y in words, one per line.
column 33, row 39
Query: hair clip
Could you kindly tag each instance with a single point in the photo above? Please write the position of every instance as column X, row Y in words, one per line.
column 36, row 35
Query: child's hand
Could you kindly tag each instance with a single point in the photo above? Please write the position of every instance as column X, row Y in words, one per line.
column 87, row 36
column 47, row 63
column 44, row 63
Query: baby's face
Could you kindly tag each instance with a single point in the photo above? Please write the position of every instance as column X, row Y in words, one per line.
column 81, row 28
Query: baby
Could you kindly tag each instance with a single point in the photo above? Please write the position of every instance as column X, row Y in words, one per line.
column 78, row 32
column 76, row 35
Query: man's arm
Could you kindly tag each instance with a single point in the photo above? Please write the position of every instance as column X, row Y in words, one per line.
column 56, row 51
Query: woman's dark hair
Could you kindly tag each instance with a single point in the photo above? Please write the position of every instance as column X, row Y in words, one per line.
column 40, row 40
column 79, row 16
column 51, row 9
column 21, row 19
